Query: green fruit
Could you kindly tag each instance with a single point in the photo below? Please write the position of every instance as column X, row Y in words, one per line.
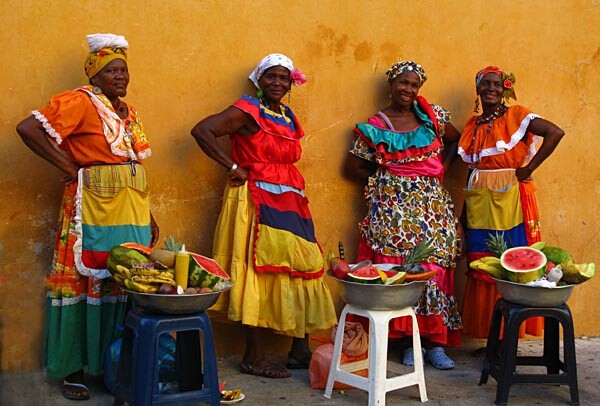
column 556, row 254
column 126, row 257
column 577, row 273
column 538, row 245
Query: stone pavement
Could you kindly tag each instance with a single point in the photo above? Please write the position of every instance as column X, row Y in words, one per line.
column 458, row 386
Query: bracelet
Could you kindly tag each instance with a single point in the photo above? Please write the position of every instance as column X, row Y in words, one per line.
column 233, row 168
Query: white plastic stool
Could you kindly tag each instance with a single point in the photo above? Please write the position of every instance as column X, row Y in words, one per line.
column 377, row 383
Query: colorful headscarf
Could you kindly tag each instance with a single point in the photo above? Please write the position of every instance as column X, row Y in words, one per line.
column 508, row 80
column 403, row 66
column 103, row 49
column 276, row 60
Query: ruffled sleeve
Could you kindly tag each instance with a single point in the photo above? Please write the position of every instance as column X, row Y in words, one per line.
column 506, row 144
column 65, row 114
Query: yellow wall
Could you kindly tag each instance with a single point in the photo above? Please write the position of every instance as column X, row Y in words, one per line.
column 190, row 58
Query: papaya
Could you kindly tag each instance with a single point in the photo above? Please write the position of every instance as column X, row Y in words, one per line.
column 124, row 256
column 577, row 273
column 423, row 276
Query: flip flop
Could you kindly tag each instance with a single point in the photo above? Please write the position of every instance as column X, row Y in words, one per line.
column 438, row 358
column 408, row 358
column 268, row 370
column 293, row 363
column 75, row 391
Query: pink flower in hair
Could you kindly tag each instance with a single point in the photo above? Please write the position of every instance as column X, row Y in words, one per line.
column 297, row 77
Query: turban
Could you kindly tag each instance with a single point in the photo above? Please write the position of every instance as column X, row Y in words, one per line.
column 508, row 80
column 103, row 49
column 403, row 66
column 276, row 60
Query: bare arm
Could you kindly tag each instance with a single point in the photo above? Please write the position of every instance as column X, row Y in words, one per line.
column 451, row 136
column 206, row 132
column 35, row 137
column 356, row 167
column 552, row 135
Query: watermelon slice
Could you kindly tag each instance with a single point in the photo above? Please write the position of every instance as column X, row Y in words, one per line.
column 524, row 264
column 368, row 274
column 205, row 272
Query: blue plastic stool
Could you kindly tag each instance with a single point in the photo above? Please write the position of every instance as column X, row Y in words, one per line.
column 137, row 380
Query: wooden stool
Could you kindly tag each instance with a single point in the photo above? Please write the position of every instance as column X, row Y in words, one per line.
column 501, row 355
column 377, row 384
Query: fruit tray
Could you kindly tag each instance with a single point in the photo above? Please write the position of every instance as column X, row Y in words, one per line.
column 535, row 296
column 175, row 304
column 380, row 297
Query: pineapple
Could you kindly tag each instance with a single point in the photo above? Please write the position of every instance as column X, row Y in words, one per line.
column 164, row 258
column 496, row 243
column 171, row 245
column 417, row 255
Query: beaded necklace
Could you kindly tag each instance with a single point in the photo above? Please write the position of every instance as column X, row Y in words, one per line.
column 489, row 119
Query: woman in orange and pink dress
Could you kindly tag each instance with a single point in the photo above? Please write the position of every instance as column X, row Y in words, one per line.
column 500, row 148
column 97, row 141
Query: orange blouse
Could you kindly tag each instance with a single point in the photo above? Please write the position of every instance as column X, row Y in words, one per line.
column 72, row 122
column 504, row 144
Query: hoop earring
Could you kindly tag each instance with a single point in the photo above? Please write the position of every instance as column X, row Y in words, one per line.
column 476, row 109
column 96, row 90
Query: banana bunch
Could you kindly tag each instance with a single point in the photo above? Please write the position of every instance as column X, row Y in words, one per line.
column 142, row 280
column 490, row 265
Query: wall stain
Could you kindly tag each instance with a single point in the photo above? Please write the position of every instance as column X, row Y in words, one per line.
column 363, row 51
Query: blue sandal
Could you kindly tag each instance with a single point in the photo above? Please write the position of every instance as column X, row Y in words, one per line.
column 438, row 358
column 409, row 356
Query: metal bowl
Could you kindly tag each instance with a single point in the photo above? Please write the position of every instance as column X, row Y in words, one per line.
column 535, row 296
column 175, row 304
column 380, row 297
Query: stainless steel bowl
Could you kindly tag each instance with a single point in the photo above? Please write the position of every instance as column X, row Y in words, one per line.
column 535, row 296
column 380, row 297
column 175, row 304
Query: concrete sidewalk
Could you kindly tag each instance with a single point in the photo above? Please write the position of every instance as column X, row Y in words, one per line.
column 458, row 386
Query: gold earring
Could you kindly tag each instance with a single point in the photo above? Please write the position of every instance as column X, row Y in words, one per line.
column 476, row 109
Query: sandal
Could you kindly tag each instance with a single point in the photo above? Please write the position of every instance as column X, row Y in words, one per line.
column 293, row 363
column 266, row 369
column 409, row 356
column 438, row 358
column 75, row 391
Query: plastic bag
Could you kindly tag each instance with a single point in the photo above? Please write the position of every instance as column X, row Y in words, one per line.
column 355, row 341
column 320, row 364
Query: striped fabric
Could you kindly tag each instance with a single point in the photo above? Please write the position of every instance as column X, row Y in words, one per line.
column 108, row 205
column 285, row 233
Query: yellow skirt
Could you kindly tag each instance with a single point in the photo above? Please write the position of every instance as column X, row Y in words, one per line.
column 289, row 305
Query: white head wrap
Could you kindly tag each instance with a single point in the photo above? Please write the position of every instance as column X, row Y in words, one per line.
column 97, row 42
column 268, row 62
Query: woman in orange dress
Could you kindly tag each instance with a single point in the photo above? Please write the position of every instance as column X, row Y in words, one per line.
column 97, row 141
column 500, row 148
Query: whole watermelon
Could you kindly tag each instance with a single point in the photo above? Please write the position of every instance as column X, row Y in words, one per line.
column 556, row 254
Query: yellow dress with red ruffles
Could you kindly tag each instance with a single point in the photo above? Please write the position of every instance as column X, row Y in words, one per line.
column 264, row 236
column 496, row 202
